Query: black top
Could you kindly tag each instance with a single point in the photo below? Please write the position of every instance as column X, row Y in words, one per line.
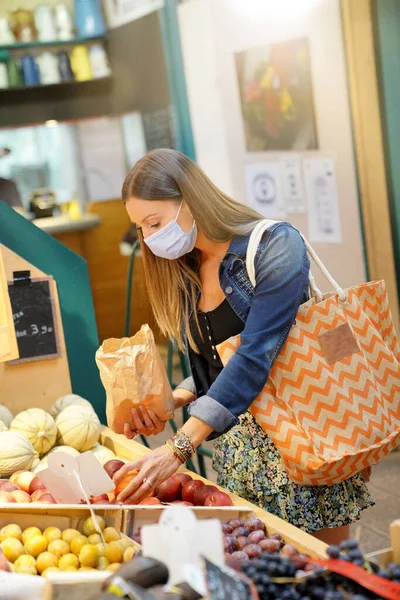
column 216, row 326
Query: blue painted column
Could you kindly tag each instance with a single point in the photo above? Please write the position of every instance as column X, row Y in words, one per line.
column 169, row 25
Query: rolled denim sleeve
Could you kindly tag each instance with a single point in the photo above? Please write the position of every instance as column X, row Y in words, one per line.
column 187, row 384
column 281, row 284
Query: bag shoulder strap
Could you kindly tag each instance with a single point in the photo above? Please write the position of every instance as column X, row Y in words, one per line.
column 254, row 242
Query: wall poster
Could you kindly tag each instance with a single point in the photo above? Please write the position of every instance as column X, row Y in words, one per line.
column 276, row 97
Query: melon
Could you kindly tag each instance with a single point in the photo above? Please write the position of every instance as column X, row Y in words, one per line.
column 3, row 427
column 5, row 415
column 38, row 426
column 103, row 454
column 65, row 401
column 44, row 462
column 35, row 464
column 78, row 427
column 16, row 453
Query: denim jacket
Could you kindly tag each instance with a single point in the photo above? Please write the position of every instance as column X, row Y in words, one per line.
column 268, row 311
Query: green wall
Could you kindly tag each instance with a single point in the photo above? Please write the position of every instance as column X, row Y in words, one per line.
column 70, row 272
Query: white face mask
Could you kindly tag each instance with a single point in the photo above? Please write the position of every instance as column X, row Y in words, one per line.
column 171, row 241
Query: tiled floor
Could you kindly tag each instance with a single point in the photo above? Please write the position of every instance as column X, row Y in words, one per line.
column 373, row 528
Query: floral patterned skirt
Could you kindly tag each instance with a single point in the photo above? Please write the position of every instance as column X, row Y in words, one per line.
column 249, row 465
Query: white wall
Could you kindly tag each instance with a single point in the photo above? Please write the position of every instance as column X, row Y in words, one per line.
column 211, row 32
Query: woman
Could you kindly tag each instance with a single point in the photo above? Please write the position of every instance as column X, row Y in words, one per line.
column 194, row 240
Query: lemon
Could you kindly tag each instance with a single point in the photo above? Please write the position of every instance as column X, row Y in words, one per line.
column 77, row 544
column 103, row 563
column 89, row 556
column 115, row 552
column 50, row 570
column 110, row 534
column 89, row 527
column 45, row 560
column 59, row 548
column 35, row 545
column 52, row 533
column 113, row 567
column 12, row 549
column 69, row 534
column 129, row 554
column 94, row 539
column 29, row 532
column 13, row 531
column 68, row 560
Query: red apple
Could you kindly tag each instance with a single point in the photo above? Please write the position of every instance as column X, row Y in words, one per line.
column 36, row 484
column 14, row 475
column 112, row 466
column 21, row 496
column 36, row 496
column 182, row 502
column 97, row 499
column 202, row 493
column 150, row 501
column 184, row 477
column 46, row 498
column 7, row 486
column 169, row 490
column 189, row 489
column 23, row 480
column 6, row 497
column 218, row 499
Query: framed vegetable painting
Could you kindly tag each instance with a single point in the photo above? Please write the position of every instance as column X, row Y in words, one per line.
column 276, row 96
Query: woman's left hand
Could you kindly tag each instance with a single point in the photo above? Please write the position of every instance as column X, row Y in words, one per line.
column 154, row 468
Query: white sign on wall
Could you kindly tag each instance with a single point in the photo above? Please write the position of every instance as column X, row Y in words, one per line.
column 264, row 189
column 323, row 214
column 120, row 12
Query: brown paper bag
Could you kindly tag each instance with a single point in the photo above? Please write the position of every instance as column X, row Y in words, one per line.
column 133, row 375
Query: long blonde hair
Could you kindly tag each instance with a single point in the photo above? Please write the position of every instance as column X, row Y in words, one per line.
column 172, row 284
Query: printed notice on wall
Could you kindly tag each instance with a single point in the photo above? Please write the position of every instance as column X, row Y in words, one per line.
column 323, row 207
column 264, row 189
column 293, row 188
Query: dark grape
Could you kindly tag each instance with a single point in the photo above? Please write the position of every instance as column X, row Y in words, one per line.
column 333, row 552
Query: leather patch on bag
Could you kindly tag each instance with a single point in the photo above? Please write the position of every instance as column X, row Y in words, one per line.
column 338, row 343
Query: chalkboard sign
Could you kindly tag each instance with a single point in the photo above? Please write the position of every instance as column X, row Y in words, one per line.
column 159, row 129
column 33, row 314
column 223, row 583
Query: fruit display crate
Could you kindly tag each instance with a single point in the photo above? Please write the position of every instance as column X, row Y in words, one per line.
column 63, row 585
column 130, row 450
column 389, row 555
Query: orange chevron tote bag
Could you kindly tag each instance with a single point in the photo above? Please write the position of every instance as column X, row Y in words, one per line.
column 331, row 404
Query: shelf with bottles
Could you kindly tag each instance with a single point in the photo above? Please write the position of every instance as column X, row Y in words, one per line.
column 38, row 44
column 62, row 84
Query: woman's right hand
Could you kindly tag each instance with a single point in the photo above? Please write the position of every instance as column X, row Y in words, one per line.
column 144, row 422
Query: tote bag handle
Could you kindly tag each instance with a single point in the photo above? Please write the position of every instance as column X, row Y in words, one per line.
column 254, row 242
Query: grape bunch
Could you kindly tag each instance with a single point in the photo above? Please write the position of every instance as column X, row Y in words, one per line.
column 274, row 576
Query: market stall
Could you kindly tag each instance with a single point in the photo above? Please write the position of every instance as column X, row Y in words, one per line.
column 62, row 527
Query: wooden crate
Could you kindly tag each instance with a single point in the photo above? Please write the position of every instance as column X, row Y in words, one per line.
column 62, row 586
column 130, row 450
